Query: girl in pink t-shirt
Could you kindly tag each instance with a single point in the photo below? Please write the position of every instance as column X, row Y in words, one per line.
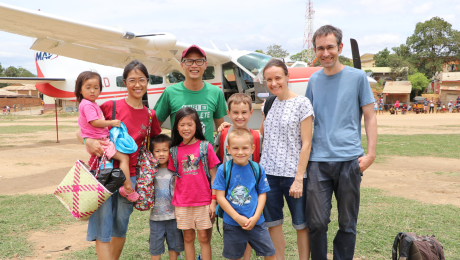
column 93, row 125
column 194, row 201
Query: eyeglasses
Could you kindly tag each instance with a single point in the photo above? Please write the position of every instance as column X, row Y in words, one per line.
column 328, row 48
column 189, row 62
column 141, row 81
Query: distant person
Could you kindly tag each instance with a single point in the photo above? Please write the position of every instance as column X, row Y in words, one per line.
column 8, row 109
column 397, row 106
column 438, row 106
column 450, row 106
column 337, row 158
column 14, row 107
column 457, row 105
column 376, row 107
column 404, row 109
column 431, row 106
column 409, row 107
column 443, row 108
column 381, row 107
column 392, row 110
column 4, row 110
column 425, row 106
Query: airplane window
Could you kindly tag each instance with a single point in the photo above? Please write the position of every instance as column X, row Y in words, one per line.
column 120, row 83
column 254, row 62
column 209, row 73
column 155, row 80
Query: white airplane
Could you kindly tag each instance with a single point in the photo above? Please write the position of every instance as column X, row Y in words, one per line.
column 66, row 47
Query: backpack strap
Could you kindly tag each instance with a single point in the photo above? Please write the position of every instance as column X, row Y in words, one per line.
column 222, row 147
column 406, row 242
column 268, row 104
column 173, row 151
column 256, row 170
column 204, row 159
column 256, row 139
column 228, row 166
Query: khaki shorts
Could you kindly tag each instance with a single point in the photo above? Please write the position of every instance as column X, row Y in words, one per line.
column 196, row 217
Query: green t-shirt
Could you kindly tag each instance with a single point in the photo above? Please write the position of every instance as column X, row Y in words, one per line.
column 209, row 102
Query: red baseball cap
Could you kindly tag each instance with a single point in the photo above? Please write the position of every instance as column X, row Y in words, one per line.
column 191, row 48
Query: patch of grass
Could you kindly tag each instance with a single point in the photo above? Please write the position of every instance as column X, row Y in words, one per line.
column 447, row 145
column 22, row 164
column 46, row 142
column 448, row 173
column 6, row 146
column 23, row 213
column 25, row 129
column 381, row 218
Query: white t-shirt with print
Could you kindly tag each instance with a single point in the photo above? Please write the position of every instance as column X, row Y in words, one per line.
column 282, row 140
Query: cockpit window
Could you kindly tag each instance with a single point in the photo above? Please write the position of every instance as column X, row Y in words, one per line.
column 254, row 62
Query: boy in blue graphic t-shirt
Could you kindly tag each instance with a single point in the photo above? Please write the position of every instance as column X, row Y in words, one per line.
column 244, row 202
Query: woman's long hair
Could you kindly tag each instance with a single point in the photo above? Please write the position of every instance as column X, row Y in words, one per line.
column 184, row 112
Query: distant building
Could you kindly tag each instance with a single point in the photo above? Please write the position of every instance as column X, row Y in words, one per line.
column 25, row 89
column 397, row 89
column 367, row 60
column 378, row 72
column 450, row 86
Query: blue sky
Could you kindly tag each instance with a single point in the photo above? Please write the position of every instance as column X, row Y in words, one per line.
column 243, row 25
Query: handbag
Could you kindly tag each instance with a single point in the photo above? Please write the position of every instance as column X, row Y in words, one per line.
column 80, row 192
column 111, row 178
column 146, row 169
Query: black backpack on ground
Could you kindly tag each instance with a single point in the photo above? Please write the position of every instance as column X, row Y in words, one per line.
column 414, row 247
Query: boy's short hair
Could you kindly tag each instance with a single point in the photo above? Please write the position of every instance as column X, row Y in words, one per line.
column 161, row 138
column 239, row 98
column 240, row 133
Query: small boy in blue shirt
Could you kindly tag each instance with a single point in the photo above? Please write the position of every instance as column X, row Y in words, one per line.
column 243, row 204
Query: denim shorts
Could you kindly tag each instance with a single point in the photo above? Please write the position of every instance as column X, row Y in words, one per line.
column 273, row 210
column 159, row 230
column 111, row 218
column 236, row 239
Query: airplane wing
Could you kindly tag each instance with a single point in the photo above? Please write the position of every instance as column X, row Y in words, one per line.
column 29, row 80
column 116, row 47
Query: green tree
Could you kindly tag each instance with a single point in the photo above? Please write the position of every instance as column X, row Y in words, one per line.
column 2, row 71
column 12, row 72
column 25, row 73
column 345, row 61
column 382, row 58
column 433, row 44
column 260, row 51
column 276, row 51
column 400, row 68
column 297, row 57
column 419, row 82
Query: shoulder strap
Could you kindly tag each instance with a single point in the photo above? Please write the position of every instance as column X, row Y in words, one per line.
column 173, row 151
column 228, row 166
column 256, row 139
column 204, row 159
column 114, row 109
column 222, row 147
column 256, row 170
column 268, row 104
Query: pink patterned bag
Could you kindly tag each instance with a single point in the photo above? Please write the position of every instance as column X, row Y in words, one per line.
column 146, row 169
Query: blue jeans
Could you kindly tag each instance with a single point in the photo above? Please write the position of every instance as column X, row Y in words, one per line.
column 111, row 218
column 344, row 180
column 273, row 210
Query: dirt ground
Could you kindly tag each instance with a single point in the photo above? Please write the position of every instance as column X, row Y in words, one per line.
column 33, row 163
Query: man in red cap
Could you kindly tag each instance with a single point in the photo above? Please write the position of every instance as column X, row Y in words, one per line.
column 207, row 99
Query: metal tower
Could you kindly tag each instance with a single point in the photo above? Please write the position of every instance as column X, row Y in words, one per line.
column 307, row 50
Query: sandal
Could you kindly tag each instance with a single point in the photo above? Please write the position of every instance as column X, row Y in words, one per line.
column 133, row 197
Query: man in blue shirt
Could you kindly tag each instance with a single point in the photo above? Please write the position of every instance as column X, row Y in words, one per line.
column 340, row 96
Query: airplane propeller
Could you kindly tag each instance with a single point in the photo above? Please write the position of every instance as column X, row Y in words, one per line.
column 355, row 54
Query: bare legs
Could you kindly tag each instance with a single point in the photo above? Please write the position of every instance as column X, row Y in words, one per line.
column 303, row 242
column 203, row 239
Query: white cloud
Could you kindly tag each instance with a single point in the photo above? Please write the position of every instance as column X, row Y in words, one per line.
column 424, row 8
